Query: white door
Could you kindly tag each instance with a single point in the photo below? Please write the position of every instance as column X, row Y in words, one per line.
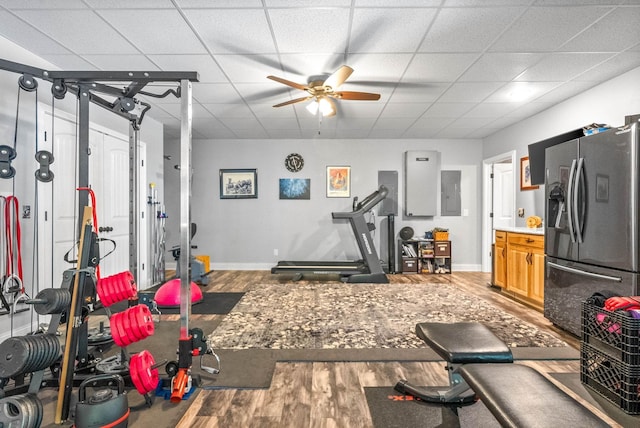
column 503, row 203
column 109, row 177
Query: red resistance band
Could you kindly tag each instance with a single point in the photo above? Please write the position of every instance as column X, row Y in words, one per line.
column 11, row 244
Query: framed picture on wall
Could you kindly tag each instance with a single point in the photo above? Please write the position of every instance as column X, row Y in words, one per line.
column 238, row 183
column 525, row 175
column 338, row 181
column 295, row 188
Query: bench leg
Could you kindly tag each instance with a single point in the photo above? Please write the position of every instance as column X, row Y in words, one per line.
column 457, row 392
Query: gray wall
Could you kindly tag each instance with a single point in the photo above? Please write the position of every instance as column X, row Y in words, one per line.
column 607, row 103
column 243, row 234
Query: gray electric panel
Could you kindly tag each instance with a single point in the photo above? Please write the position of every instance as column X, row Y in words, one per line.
column 421, row 170
column 389, row 205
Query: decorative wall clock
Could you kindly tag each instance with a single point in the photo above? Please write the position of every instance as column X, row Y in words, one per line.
column 294, row 162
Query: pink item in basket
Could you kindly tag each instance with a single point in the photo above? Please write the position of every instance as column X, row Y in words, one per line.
column 611, row 327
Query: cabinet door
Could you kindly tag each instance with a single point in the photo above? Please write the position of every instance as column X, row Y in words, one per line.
column 518, row 269
column 500, row 264
column 536, row 290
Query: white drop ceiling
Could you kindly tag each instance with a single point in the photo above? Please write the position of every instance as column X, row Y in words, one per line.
column 444, row 68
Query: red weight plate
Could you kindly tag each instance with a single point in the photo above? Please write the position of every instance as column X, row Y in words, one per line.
column 116, row 333
column 99, row 290
column 126, row 325
column 148, row 324
column 134, row 371
column 127, row 277
column 151, row 375
column 138, row 317
column 118, row 287
column 146, row 371
column 110, row 295
column 132, row 313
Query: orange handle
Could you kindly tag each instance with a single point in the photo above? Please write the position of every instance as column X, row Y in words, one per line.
column 180, row 381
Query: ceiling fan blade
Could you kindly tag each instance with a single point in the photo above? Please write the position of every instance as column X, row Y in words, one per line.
column 351, row 95
column 297, row 100
column 287, row 82
column 339, row 76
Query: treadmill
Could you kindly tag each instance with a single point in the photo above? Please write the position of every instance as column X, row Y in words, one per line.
column 369, row 269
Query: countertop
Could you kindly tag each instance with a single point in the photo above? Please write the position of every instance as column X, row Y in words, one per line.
column 530, row 231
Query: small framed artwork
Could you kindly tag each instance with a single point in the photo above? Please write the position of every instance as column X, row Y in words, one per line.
column 525, row 175
column 295, row 188
column 338, row 181
column 238, row 183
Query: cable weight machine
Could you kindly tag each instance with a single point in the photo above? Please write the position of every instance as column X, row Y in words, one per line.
column 93, row 87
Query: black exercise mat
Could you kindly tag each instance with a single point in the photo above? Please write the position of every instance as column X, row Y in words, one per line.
column 572, row 381
column 390, row 409
column 211, row 304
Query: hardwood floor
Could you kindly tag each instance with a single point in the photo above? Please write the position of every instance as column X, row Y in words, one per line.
column 323, row 394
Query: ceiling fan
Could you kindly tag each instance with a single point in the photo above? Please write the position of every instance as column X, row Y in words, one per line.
column 322, row 90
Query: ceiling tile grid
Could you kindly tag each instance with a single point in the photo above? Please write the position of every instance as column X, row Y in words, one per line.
column 443, row 68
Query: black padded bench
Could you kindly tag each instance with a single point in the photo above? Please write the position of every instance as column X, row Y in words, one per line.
column 458, row 344
column 519, row 396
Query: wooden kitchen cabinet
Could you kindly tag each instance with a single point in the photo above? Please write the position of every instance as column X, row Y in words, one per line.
column 500, row 259
column 523, row 261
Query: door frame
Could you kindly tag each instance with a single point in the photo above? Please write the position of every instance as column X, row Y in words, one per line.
column 487, row 203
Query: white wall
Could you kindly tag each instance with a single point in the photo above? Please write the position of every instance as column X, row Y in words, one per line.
column 242, row 234
column 607, row 103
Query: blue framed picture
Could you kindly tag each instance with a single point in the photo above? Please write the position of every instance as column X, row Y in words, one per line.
column 295, row 188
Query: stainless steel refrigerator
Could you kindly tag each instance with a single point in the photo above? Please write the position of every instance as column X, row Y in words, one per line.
column 592, row 190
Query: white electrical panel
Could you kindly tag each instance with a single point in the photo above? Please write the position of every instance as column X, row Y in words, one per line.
column 421, row 172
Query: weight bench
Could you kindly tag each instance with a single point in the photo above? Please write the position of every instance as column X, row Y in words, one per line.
column 458, row 344
column 517, row 395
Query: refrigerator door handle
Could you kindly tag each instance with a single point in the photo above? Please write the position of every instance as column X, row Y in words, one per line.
column 579, row 222
column 585, row 273
column 570, row 197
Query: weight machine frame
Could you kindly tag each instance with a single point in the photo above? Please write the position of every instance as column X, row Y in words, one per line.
column 88, row 86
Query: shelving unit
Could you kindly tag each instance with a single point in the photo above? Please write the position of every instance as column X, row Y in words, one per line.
column 425, row 256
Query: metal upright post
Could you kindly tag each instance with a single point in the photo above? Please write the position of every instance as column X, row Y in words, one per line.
column 134, row 197
column 185, row 207
column 84, row 99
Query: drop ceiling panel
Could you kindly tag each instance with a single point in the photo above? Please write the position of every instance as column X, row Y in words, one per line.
column 438, row 67
column 80, row 31
column 467, row 30
column 616, row 31
column 249, row 27
column 371, row 29
column 215, row 93
column 230, row 111
column 121, row 62
column 219, row 3
column 443, row 109
column 69, row 62
column 562, row 66
column 469, row 91
column 163, row 32
column 495, row 67
column 408, row 110
column 31, row 38
column 543, row 29
column 305, row 30
column 241, row 68
column 429, row 93
column 128, row 4
column 43, row 4
column 622, row 62
column 534, row 89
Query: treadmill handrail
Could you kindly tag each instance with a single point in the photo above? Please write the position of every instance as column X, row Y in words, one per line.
column 366, row 205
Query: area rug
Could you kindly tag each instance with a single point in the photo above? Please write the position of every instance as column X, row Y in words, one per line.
column 360, row 316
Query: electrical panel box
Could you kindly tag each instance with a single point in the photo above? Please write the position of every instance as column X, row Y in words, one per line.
column 421, row 173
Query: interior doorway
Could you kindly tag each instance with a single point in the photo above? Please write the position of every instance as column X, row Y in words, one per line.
column 499, row 195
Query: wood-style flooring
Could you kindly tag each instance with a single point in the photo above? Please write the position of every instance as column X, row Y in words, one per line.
column 322, row 394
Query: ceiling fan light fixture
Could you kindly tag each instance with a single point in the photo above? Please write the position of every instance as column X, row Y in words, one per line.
column 325, row 107
column 312, row 107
